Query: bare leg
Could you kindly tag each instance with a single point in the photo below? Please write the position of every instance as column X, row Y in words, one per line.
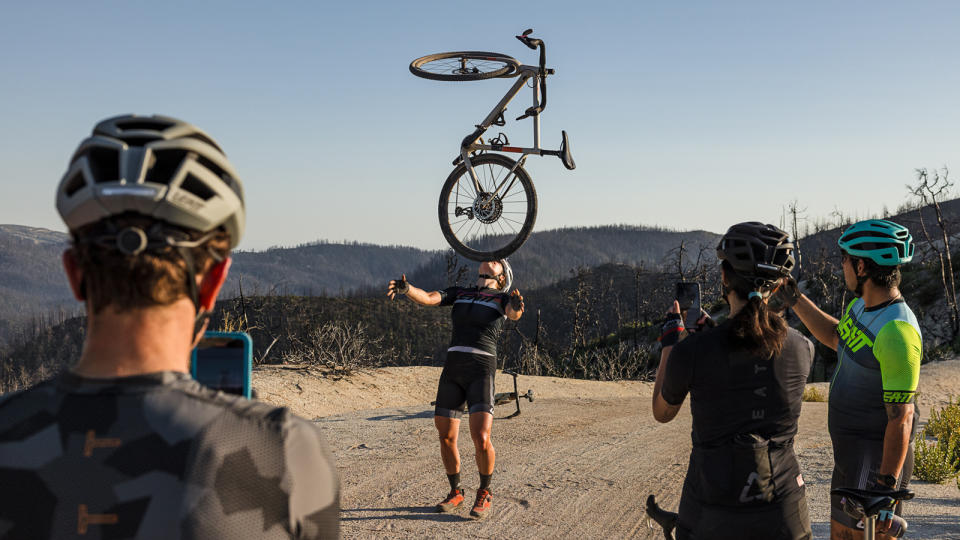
column 481, row 423
column 448, row 428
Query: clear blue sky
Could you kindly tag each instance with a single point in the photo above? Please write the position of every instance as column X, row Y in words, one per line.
column 681, row 114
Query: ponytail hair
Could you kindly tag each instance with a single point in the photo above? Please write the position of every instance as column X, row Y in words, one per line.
column 756, row 328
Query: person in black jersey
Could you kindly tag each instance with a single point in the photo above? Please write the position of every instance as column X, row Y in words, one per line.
column 468, row 373
column 125, row 444
column 745, row 379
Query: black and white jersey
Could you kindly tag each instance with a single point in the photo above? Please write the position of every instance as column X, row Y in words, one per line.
column 478, row 316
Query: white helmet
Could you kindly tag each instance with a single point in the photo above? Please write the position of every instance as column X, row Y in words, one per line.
column 155, row 166
column 508, row 275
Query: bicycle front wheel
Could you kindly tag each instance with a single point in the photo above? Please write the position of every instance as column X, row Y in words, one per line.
column 464, row 66
column 494, row 221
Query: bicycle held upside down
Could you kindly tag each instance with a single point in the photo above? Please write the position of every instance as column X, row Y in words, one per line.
column 488, row 204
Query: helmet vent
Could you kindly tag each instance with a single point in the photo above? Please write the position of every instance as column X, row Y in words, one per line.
column 143, row 124
column 165, row 164
column 75, row 184
column 214, row 168
column 202, row 138
column 139, row 140
column 104, row 164
column 194, row 185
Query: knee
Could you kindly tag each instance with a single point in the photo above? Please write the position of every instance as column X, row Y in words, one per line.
column 482, row 441
column 448, row 440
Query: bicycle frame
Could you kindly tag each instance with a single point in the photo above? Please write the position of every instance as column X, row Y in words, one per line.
column 470, row 144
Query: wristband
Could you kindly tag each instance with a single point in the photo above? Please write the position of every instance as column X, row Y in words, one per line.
column 673, row 330
column 887, row 480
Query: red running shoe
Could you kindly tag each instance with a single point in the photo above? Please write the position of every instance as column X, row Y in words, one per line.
column 452, row 501
column 481, row 508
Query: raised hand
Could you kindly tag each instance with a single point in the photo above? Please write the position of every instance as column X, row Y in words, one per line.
column 398, row 286
column 516, row 301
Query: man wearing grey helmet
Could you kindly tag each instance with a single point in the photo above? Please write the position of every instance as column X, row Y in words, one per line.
column 125, row 444
column 468, row 372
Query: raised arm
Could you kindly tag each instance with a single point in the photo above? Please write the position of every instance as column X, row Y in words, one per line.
column 821, row 325
column 420, row 296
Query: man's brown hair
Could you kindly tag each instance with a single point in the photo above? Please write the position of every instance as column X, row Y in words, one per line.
column 154, row 277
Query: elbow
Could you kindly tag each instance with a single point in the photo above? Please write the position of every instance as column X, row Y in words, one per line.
column 663, row 412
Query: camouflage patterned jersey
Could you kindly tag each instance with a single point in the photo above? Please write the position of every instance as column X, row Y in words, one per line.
column 159, row 456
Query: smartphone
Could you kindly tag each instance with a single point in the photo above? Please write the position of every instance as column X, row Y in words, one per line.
column 223, row 361
column 688, row 296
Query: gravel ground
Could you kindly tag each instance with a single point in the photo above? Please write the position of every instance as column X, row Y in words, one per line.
column 578, row 463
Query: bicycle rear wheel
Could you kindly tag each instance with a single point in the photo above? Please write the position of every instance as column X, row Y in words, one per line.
column 464, row 66
column 487, row 225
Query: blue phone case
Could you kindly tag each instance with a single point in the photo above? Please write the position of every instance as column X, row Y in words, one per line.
column 247, row 368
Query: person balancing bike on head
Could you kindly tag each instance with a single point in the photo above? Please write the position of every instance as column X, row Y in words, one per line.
column 872, row 417
column 745, row 378
column 468, row 372
column 125, row 444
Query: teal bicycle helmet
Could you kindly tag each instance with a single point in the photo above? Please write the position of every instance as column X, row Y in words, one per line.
column 884, row 242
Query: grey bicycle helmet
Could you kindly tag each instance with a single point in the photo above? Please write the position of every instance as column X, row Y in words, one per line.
column 759, row 253
column 155, row 166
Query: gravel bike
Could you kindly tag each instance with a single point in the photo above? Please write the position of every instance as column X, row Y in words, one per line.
column 488, row 204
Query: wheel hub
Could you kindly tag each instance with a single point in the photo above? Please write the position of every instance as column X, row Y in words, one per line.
column 487, row 208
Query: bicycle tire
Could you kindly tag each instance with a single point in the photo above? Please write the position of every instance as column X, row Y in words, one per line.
column 494, row 248
column 451, row 66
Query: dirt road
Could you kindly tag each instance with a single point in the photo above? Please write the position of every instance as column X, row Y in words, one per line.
column 568, row 467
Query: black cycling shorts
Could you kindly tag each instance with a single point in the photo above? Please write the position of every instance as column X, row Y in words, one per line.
column 783, row 520
column 855, row 465
column 466, row 377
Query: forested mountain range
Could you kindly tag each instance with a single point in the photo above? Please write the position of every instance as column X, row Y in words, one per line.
column 31, row 276
column 595, row 321
column 549, row 256
column 32, row 282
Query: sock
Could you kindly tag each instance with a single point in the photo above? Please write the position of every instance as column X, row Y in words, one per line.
column 454, row 481
column 485, row 481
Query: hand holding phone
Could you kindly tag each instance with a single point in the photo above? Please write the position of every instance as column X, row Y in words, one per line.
column 688, row 296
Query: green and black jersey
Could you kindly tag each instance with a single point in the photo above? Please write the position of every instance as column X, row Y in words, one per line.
column 159, row 456
column 878, row 362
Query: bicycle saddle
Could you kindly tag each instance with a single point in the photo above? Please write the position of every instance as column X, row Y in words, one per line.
column 565, row 155
column 873, row 501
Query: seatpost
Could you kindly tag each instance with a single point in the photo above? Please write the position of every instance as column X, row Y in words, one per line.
column 869, row 527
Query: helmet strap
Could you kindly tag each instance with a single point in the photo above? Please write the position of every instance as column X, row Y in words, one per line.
column 202, row 316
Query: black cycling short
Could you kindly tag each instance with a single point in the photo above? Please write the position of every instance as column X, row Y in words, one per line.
column 784, row 520
column 855, row 465
column 466, row 377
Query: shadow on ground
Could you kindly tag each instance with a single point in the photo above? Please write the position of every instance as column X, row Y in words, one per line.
column 428, row 513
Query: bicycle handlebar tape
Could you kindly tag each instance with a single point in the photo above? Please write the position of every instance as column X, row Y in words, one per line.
column 673, row 330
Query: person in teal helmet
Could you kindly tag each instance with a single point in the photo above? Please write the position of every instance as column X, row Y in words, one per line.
column 872, row 416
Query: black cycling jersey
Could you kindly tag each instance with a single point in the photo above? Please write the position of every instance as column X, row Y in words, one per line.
column 745, row 411
column 159, row 456
column 478, row 316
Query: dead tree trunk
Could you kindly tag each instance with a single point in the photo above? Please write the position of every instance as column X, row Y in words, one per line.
column 930, row 191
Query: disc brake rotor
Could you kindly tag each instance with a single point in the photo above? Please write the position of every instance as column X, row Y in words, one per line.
column 487, row 208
